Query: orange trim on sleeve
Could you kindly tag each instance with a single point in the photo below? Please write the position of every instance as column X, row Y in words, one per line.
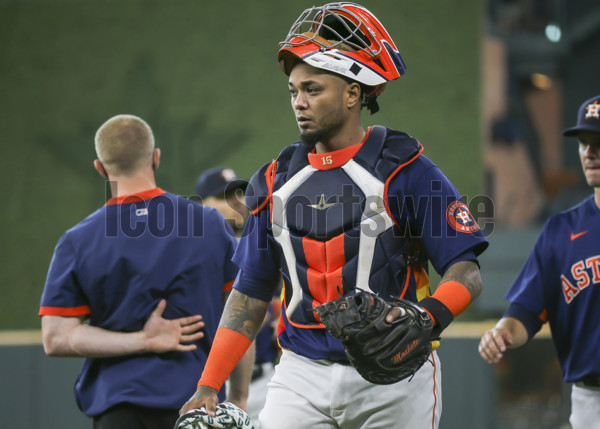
column 270, row 177
column 454, row 295
column 226, row 351
column 228, row 286
column 82, row 310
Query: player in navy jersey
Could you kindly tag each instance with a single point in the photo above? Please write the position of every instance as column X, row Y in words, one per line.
column 344, row 208
column 560, row 284
column 137, row 289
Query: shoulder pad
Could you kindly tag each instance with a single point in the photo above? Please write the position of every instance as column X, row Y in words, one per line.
column 263, row 182
column 400, row 149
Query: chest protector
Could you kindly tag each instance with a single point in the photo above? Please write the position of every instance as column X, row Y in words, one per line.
column 332, row 228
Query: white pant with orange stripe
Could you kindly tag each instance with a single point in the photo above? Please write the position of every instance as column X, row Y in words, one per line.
column 305, row 393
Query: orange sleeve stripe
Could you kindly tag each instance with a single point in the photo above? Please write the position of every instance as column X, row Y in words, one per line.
column 453, row 295
column 226, row 351
column 228, row 286
column 67, row 312
column 270, row 178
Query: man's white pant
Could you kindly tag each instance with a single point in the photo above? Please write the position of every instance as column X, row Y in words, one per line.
column 258, row 392
column 585, row 408
column 305, row 394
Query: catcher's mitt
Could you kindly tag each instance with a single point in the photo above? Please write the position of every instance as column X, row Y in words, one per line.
column 228, row 416
column 381, row 352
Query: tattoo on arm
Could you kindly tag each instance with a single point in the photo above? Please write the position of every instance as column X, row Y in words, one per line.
column 466, row 273
column 243, row 314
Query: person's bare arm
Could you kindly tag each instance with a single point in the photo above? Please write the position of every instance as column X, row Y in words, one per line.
column 466, row 273
column 239, row 379
column 71, row 337
column 508, row 333
column 243, row 315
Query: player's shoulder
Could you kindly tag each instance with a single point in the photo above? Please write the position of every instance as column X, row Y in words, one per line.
column 577, row 210
column 400, row 149
column 260, row 185
column 571, row 216
column 398, row 141
column 403, row 153
column 89, row 223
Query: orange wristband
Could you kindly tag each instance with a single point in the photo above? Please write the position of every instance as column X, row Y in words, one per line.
column 226, row 351
column 453, row 295
column 449, row 300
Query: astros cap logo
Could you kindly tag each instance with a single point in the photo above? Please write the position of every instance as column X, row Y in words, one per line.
column 593, row 110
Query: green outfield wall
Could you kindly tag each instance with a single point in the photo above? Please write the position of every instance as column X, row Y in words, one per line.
column 205, row 76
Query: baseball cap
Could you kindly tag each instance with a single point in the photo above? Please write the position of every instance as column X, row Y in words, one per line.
column 588, row 118
column 216, row 181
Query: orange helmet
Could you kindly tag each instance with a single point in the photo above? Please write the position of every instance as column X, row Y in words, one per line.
column 346, row 39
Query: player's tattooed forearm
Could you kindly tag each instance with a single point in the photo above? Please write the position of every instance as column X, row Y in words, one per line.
column 243, row 314
column 466, row 273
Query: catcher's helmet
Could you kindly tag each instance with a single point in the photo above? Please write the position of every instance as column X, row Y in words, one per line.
column 346, row 39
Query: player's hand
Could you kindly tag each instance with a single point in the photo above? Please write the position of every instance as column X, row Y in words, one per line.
column 396, row 313
column 494, row 343
column 204, row 397
column 164, row 335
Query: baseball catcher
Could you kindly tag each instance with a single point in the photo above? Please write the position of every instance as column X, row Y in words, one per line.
column 331, row 213
column 228, row 416
column 381, row 352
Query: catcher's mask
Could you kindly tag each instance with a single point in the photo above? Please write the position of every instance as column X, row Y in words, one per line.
column 346, row 39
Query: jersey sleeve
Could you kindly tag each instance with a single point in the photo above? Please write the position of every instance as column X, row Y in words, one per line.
column 257, row 259
column 431, row 211
column 526, row 294
column 62, row 295
column 230, row 269
column 225, row 243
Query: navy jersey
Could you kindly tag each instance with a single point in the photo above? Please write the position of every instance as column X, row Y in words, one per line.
column 367, row 216
column 560, row 284
column 116, row 265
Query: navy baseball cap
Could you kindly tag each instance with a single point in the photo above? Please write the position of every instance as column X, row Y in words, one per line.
column 588, row 118
column 216, row 181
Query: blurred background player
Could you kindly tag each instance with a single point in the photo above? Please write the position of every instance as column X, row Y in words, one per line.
column 560, row 284
column 221, row 188
column 338, row 211
column 125, row 287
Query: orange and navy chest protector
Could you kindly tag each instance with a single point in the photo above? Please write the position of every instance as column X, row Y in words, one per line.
column 368, row 216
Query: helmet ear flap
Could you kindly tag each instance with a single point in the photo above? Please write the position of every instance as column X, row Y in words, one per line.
column 370, row 101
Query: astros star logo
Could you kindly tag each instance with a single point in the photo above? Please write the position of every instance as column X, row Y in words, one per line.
column 321, row 205
column 593, row 110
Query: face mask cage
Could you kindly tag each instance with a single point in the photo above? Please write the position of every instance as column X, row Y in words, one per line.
column 346, row 32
